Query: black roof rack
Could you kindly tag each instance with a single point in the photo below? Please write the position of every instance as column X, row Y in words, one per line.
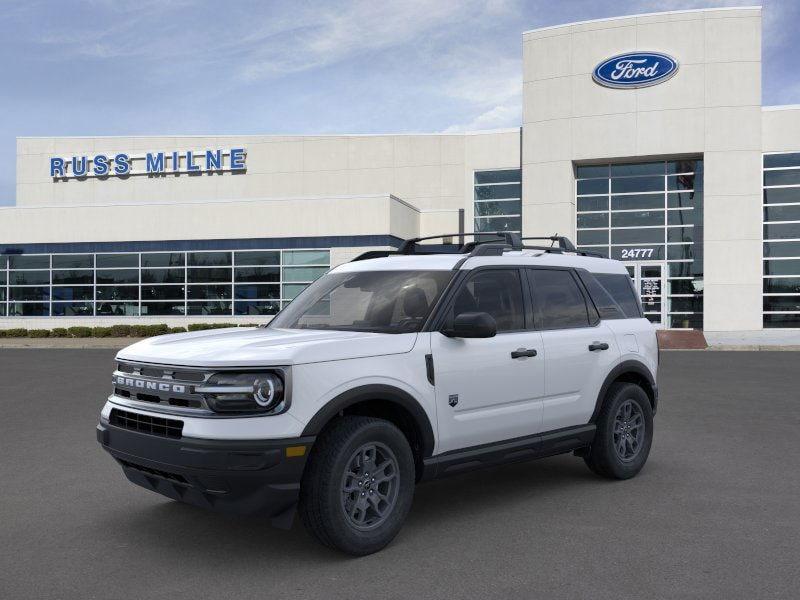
column 486, row 243
column 409, row 246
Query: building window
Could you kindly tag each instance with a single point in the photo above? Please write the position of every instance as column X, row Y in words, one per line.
column 498, row 200
column 781, row 300
column 649, row 212
column 130, row 284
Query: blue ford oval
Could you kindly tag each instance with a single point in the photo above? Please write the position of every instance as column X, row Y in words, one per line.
column 635, row 70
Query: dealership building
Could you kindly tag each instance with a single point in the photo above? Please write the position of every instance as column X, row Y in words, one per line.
column 642, row 138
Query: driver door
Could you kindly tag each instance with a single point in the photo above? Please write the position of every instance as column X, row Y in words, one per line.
column 483, row 393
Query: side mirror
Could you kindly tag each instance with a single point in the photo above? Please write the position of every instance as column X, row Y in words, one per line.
column 472, row 325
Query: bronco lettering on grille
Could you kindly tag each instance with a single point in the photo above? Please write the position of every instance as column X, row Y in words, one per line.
column 144, row 384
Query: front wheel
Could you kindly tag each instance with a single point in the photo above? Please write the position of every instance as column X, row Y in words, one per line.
column 358, row 486
column 624, row 433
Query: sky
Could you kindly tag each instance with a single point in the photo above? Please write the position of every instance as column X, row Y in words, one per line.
column 173, row 67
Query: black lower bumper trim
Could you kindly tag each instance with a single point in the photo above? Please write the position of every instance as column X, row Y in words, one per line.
column 250, row 477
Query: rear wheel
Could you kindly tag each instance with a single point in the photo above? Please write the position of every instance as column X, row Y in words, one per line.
column 624, row 433
column 359, row 484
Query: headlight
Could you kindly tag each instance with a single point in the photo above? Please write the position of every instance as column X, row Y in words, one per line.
column 244, row 392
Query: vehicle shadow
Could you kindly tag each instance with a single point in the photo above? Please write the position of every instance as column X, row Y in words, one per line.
column 486, row 493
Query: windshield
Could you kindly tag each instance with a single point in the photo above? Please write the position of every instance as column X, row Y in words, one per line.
column 376, row 301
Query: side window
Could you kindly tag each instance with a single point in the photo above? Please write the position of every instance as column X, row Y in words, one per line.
column 621, row 290
column 497, row 292
column 605, row 304
column 558, row 300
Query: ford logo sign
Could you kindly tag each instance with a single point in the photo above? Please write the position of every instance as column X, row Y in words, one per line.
column 635, row 70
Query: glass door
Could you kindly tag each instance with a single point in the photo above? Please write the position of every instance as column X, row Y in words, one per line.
column 648, row 278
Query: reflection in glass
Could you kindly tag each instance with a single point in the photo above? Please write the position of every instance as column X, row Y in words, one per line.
column 163, row 259
column 73, row 292
column 118, row 276
column 117, row 309
column 63, row 277
column 29, row 261
column 73, row 309
column 73, row 261
column 114, row 261
column 637, row 202
column 637, row 184
column 29, row 277
column 209, row 259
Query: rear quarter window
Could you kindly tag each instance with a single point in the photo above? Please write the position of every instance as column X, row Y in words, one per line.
column 613, row 295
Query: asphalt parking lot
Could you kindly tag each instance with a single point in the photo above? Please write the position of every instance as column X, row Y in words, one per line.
column 714, row 514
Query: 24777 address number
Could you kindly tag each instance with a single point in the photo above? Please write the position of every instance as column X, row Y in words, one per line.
column 637, row 253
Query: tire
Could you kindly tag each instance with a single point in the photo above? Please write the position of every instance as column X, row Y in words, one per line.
column 342, row 507
column 623, row 456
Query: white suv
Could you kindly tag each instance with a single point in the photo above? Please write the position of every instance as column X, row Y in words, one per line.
column 394, row 368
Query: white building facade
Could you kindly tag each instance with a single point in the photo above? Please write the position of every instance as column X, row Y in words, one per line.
column 664, row 158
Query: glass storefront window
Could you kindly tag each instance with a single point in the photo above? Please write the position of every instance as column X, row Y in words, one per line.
column 73, row 277
column 208, row 309
column 648, row 212
column 29, row 277
column 156, row 283
column 73, row 261
column 67, row 292
column 781, row 248
column 257, row 308
column 163, row 259
column 257, row 292
column 498, row 200
column 257, row 274
column 117, row 261
column 209, row 259
column 163, row 276
column 208, row 292
column 72, row 309
column 33, row 261
column 117, row 276
column 272, row 257
column 28, row 309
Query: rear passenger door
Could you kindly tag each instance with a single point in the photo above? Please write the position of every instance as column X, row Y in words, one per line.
column 579, row 348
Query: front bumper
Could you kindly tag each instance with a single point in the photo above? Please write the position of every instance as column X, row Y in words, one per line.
column 246, row 477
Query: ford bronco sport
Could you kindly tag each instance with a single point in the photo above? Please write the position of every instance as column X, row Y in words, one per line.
column 397, row 367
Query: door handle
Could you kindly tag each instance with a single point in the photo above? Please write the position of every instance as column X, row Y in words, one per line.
column 598, row 346
column 523, row 352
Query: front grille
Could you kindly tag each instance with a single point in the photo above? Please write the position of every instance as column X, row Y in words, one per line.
column 169, row 428
column 160, row 372
column 157, row 472
column 167, row 386
column 183, row 402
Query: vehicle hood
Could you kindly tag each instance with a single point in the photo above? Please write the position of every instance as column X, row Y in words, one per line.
column 258, row 346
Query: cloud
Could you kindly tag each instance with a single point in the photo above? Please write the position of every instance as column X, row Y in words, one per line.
column 497, row 117
column 326, row 36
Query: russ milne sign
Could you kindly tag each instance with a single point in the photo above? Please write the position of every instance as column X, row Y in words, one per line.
column 151, row 163
column 635, row 70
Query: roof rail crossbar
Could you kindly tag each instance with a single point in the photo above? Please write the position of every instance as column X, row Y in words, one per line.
column 563, row 241
column 556, row 250
column 409, row 246
column 512, row 239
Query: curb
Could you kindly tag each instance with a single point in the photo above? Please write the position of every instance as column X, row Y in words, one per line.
column 737, row 348
column 755, row 348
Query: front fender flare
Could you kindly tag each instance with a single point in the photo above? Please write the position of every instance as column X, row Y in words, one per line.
column 375, row 392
